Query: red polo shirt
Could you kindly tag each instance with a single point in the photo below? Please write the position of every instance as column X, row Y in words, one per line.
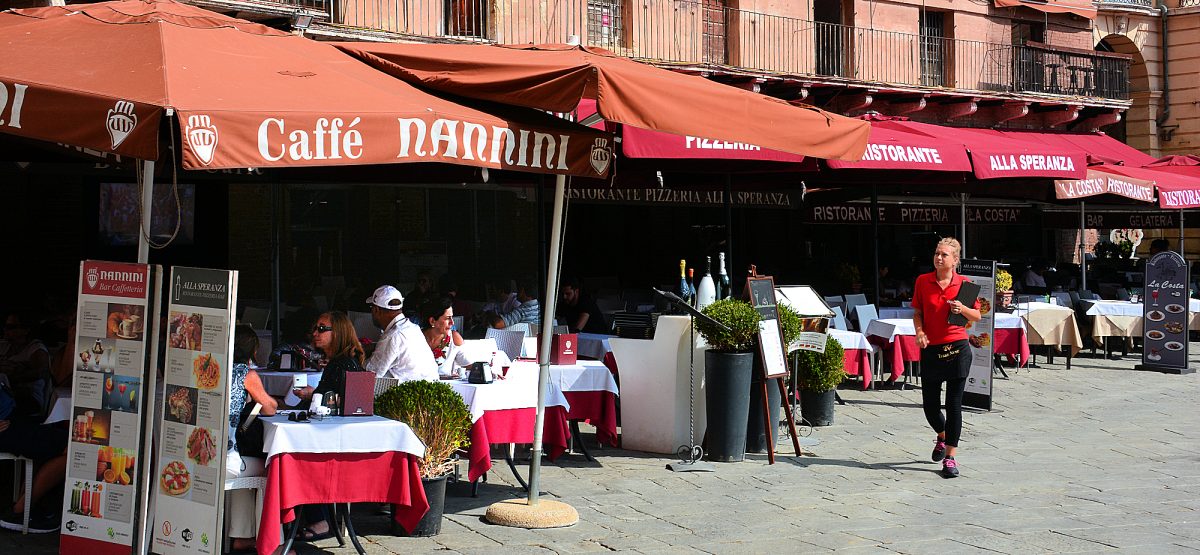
column 933, row 302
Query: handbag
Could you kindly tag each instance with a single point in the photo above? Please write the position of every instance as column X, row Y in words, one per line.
column 249, row 433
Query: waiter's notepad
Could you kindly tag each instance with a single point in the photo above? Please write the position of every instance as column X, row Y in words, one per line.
column 967, row 293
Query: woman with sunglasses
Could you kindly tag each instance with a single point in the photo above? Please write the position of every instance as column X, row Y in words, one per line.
column 334, row 336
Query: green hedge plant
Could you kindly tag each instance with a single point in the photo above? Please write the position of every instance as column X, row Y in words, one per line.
column 436, row 414
column 820, row 372
column 790, row 324
column 739, row 316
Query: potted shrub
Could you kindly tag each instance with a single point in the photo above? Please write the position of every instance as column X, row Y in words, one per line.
column 440, row 418
column 1004, row 284
column 817, row 378
column 728, row 365
column 848, row 274
column 756, row 436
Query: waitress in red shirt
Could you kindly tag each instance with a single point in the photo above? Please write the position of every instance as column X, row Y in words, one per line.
column 945, row 354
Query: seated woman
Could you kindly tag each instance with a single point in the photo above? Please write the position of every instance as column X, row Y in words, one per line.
column 437, row 319
column 245, row 456
column 335, row 338
column 26, row 362
column 46, row 445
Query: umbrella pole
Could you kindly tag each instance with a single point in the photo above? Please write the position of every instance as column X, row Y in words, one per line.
column 875, row 237
column 1181, row 232
column 1082, row 248
column 276, row 275
column 962, row 239
column 532, row 513
column 147, row 184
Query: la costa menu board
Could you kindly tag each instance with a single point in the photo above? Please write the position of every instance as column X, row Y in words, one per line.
column 108, row 389
column 978, row 392
column 190, row 476
column 1165, row 313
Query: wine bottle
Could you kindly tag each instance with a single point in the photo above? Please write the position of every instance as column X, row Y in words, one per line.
column 707, row 292
column 723, row 291
column 691, row 279
column 685, row 289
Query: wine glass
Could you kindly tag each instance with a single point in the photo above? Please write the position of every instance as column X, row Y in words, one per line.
column 1154, row 295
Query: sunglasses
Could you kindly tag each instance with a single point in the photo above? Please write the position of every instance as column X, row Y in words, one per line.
column 298, row 417
column 322, row 329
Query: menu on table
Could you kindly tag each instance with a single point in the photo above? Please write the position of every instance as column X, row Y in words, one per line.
column 190, row 478
column 1165, row 313
column 106, row 448
column 978, row 392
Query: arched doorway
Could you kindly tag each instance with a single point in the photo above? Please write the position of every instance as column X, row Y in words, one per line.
column 1139, row 91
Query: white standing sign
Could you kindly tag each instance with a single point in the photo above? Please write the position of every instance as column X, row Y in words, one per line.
column 190, row 478
column 108, row 393
column 980, row 334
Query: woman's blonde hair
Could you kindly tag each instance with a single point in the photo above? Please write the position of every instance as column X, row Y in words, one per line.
column 952, row 243
column 345, row 339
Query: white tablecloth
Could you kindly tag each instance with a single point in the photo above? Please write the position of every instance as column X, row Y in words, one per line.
column 890, row 328
column 850, row 339
column 594, row 345
column 1025, row 308
column 585, row 375
column 1006, row 321
column 279, row 383
column 517, row 391
column 339, row 434
column 1124, row 308
column 895, row 313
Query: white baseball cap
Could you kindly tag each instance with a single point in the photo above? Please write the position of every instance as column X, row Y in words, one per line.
column 387, row 298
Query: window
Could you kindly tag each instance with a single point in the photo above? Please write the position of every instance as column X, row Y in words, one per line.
column 467, row 18
column 933, row 48
column 714, row 31
column 605, row 23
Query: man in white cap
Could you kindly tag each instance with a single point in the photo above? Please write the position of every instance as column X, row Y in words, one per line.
column 401, row 352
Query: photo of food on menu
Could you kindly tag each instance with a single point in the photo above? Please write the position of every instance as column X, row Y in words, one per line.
column 185, row 330
column 125, row 321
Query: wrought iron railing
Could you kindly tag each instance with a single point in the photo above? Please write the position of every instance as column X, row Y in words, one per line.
column 1189, row 3
column 1137, row 3
column 705, row 33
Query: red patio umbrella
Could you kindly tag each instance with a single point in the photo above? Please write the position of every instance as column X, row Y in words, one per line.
column 247, row 95
column 557, row 77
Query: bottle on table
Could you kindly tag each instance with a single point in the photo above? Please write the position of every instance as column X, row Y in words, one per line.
column 691, row 281
column 723, row 285
column 707, row 292
column 685, row 288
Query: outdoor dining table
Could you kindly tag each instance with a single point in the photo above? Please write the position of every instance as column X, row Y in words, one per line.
column 591, row 391
column 1124, row 319
column 898, row 338
column 504, row 412
column 1010, row 338
column 857, row 353
column 324, row 461
column 1051, row 325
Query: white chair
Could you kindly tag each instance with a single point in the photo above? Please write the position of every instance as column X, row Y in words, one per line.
column 836, row 300
column 839, row 319
column 364, row 325
column 458, row 324
column 864, row 314
column 28, row 465
column 256, row 317
column 256, row 483
column 384, row 384
column 511, row 341
column 522, row 327
column 853, row 301
column 561, row 329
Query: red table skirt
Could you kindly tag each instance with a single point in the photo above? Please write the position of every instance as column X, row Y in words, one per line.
column 295, row 479
column 858, row 363
column 895, row 354
column 1012, row 342
column 514, row 426
column 599, row 408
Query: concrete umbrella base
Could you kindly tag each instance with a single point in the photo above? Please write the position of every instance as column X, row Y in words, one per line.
column 519, row 514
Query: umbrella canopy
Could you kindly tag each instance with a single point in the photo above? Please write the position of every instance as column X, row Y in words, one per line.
column 249, row 96
column 557, row 77
column 1176, row 161
column 1175, row 190
column 994, row 155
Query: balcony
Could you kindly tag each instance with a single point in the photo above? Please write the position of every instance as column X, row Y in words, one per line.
column 704, row 34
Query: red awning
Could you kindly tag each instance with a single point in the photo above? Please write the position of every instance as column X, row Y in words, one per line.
column 1098, row 146
column 1081, row 8
column 890, row 148
column 1102, row 182
column 995, row 156
column 1175, row 191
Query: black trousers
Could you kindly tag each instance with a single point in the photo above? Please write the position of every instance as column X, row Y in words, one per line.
column 931, row 400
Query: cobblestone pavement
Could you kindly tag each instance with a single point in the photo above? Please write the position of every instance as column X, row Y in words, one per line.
column 1094, row 458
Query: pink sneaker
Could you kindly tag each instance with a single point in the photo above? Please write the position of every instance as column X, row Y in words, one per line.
column 939, row 450
column 949, row 468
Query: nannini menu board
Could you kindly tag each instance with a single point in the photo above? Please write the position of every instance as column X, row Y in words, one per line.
column 190, row 477
column 108, row 391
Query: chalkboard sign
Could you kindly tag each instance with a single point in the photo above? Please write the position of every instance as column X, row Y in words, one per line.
column 1166, row 310
column 761, row 291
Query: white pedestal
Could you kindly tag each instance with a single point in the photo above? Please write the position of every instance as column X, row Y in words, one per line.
column 654, row 387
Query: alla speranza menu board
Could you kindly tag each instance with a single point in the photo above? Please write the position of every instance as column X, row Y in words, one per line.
column 194, row 429
column 107, row 402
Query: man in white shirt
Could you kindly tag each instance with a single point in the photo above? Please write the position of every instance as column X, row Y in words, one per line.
column 401, row 352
